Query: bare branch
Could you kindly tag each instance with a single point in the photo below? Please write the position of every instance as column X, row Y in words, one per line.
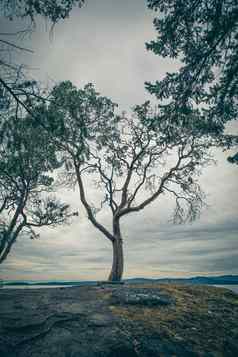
column 16, row 46
column 87, row 206
column 9, row 89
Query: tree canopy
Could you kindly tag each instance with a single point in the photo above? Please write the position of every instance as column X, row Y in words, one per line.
column 26, row 199
column 54, row 10
column 13, row 79
column 203, row 35
column 131, row 161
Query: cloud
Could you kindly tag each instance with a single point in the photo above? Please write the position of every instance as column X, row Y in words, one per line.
column 104, row 43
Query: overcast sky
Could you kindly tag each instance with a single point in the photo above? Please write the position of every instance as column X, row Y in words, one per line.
column 104, row 43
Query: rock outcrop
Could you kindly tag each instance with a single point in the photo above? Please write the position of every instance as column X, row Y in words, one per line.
column 119, row 321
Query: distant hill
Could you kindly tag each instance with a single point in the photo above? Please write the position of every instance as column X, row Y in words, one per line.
column 209, row 280
column 47, row 283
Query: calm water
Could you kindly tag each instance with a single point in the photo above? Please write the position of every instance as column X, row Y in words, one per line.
column 35, row 286
column 231, row 287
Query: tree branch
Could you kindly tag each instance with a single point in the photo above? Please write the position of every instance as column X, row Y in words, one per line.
column 131, row 168
column 87, row 206
column 16, row 46
column 6, row 86
column 155, row 194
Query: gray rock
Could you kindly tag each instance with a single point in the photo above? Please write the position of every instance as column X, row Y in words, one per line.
column 85, row 322
column 140, row 297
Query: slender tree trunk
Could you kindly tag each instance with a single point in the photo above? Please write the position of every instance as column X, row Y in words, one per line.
column 5, row 248
column 8, row 241
column 10, row 235
column 118, row 259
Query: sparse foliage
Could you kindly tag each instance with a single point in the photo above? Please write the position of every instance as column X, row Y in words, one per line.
column 12, row 74
column 26, row 201
column 203, row 35
column 132, row 163
column 54, row 10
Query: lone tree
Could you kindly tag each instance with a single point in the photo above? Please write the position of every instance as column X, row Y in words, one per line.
column 26, row 158
column 132, row 163
column 203, row 35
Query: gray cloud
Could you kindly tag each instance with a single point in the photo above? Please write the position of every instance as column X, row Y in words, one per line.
column 104, row 43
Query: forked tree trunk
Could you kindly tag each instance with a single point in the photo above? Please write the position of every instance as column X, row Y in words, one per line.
column 118, row 259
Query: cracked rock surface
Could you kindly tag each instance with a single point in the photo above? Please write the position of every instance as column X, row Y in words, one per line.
column 116, row 321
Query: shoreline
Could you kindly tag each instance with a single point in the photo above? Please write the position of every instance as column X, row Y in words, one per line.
column 232, row 287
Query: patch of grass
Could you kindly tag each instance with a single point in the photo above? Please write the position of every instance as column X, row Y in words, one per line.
column 204, row 317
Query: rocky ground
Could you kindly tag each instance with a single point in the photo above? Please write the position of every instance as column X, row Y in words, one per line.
column 119, row 321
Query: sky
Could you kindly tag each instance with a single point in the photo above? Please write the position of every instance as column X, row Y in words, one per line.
column 104, row 43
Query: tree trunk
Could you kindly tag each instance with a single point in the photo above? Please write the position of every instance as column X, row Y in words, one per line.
column 7, row 242
column 5, row 249
column 118, row 260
